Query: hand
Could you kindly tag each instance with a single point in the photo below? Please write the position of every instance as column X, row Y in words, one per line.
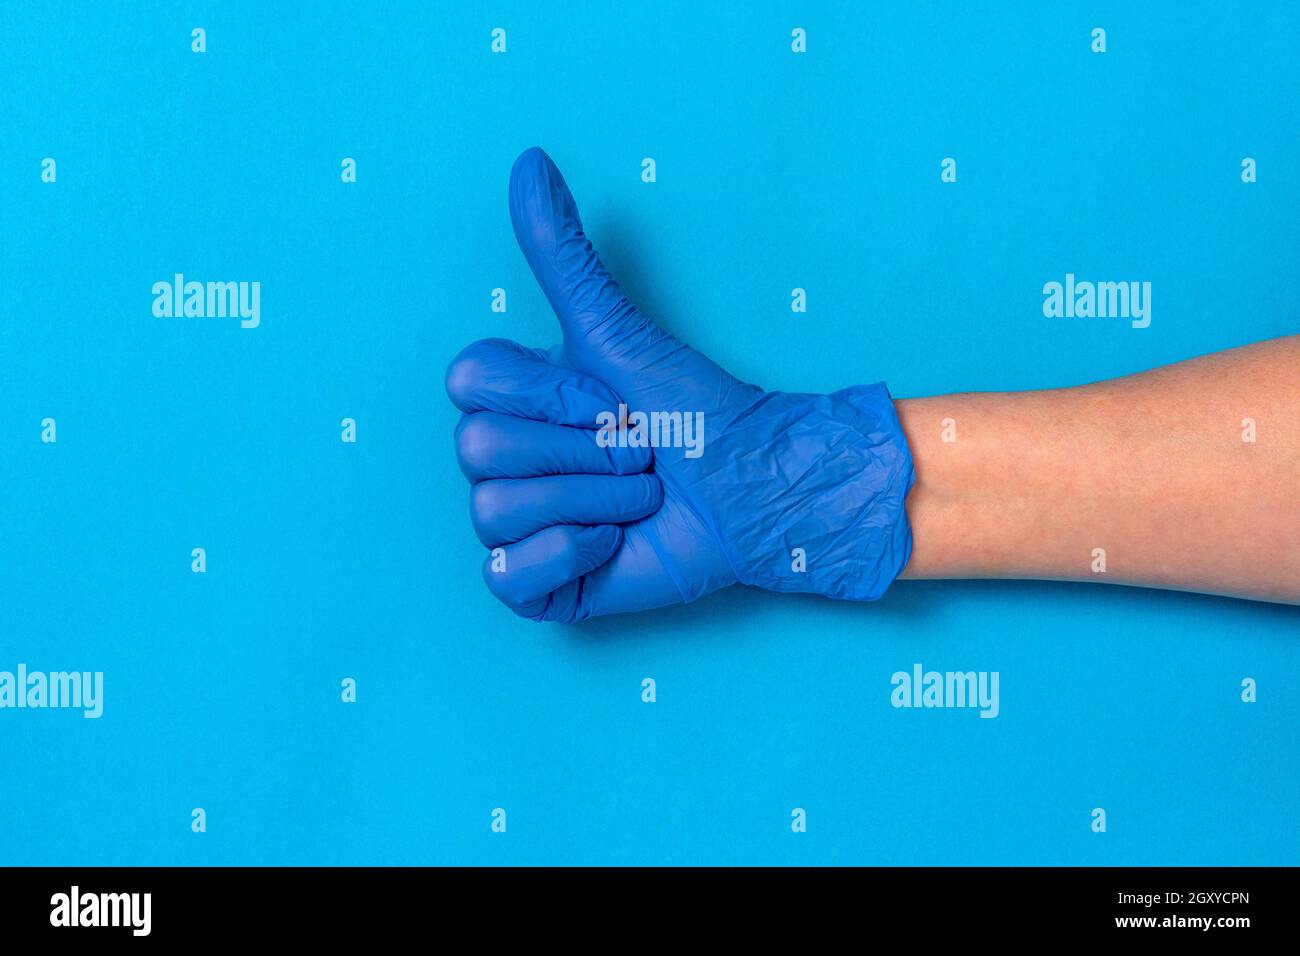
column 788, row 492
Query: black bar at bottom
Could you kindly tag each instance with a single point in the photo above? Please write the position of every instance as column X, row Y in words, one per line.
column 334, row 905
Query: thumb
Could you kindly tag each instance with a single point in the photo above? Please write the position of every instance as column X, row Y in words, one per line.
column 592, row 309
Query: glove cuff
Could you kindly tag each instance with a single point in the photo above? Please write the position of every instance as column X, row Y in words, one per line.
column 832, row 519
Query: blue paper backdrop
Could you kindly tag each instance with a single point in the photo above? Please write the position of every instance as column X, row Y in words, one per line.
column 328, row 560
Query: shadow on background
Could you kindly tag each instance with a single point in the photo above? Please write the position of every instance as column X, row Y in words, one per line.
column 916, row 605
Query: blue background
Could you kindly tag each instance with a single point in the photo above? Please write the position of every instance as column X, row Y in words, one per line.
column 328, row 560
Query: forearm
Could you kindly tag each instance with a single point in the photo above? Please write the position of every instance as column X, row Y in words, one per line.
column 1152, row 469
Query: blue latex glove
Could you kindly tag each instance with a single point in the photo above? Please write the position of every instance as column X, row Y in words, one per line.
column 580, row 529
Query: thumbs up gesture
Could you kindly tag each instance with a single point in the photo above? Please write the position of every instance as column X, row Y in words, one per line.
column 623, row 470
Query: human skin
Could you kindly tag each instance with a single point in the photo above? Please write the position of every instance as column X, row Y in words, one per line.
column 1152, row 468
